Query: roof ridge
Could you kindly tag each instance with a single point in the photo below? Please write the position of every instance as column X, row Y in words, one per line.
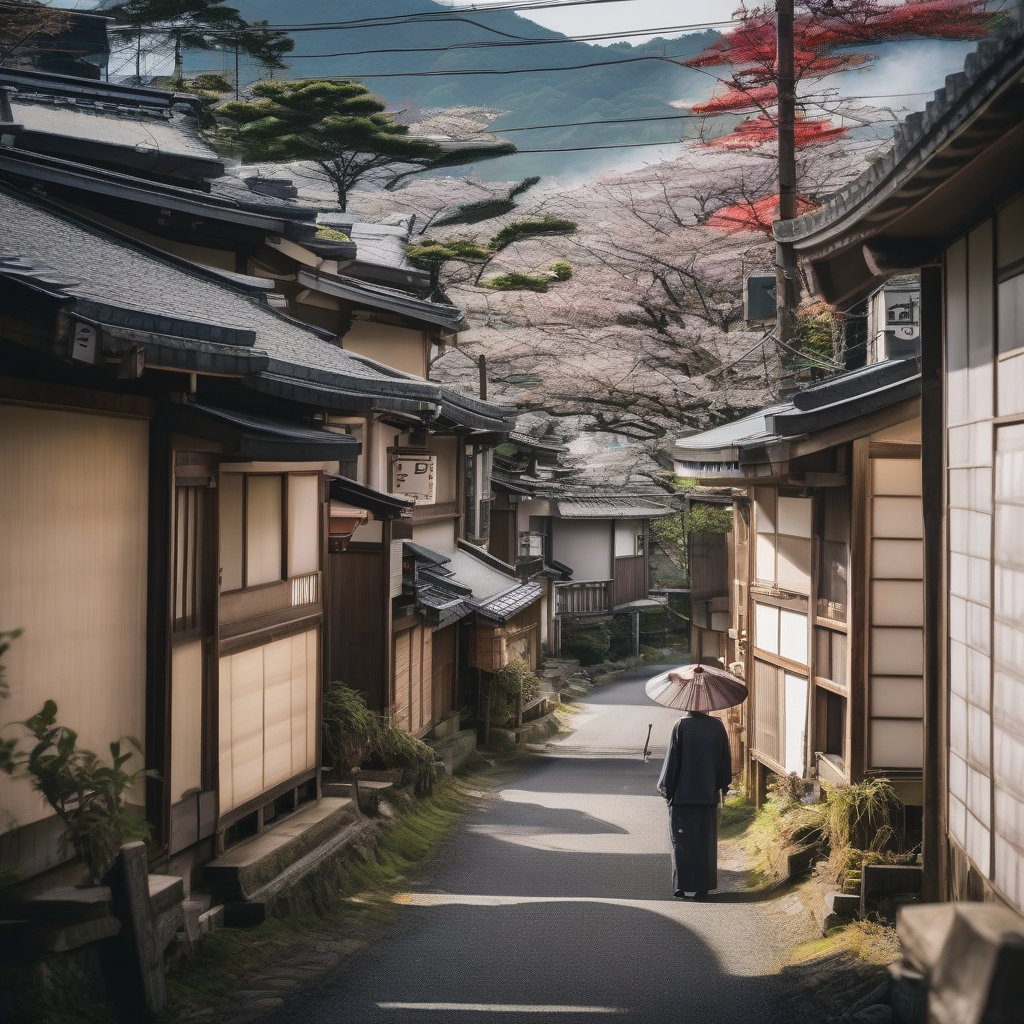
column 1007, row 40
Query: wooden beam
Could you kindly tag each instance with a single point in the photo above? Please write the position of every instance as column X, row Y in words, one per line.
column 933, row 847
column 860, row 562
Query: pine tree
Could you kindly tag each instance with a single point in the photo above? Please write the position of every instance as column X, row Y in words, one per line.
column 341, row 129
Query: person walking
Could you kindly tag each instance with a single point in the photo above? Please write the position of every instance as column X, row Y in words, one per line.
column 694, row 780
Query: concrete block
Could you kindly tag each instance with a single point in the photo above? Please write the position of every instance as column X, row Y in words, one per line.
column 456, row 749
column 923, row 931
column 979, row 976
column 842, row 905
column 449, row 727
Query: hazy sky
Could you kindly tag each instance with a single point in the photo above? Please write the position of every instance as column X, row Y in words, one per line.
column 628, row 15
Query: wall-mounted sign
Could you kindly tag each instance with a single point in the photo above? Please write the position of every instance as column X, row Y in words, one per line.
column 413, row 476
column 83, row 343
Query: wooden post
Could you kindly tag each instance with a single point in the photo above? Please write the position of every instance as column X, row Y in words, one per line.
column 933, row 501
column 130, row 890
column 785, row 263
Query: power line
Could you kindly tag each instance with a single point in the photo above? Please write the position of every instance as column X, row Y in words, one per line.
column 484, row 44
column 502, row 71
column 450, row 13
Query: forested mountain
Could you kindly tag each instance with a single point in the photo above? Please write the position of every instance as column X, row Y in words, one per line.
column 624, row 80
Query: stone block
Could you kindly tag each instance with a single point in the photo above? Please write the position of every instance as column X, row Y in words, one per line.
column 456, row 749
column 923, row 931
column 979, row 976
column 842, row 905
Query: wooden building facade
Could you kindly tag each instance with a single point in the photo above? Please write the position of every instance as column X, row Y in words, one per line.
column 825, row 603
column 948, row 202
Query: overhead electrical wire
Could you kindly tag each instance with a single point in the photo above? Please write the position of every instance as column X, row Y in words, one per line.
column 486, row 44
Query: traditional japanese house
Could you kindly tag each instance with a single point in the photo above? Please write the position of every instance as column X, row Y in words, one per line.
column 371, row 304
column 590, row 548
column 174, row 589
column 947, row 201
column 824, row 607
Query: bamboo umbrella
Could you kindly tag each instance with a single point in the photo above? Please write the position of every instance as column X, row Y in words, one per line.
column 697, row 688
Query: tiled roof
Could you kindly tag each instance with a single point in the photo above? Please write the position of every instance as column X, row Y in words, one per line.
column 113, row 272
column 472, row 578
column 142, row 128
column 613, row 506
column 840, row 399
column 922, row 134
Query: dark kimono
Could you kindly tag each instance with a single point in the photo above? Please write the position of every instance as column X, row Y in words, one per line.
column 696, row 774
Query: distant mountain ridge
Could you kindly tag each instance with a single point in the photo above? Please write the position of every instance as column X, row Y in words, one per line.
column 639, row 88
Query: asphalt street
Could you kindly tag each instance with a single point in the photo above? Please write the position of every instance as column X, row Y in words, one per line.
column 553, row 901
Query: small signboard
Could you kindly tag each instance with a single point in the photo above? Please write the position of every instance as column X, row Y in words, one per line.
column 83, row 343
column 414, row 476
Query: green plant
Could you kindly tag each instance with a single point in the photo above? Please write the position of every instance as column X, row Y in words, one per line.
column 430, row 252
column 331, row 234
column 506, row 684
column 587, row 642
column 341, row 129
column 514, row 281
column 350, row 728
column 530, row 227
column 7, row 637
column 705, row 517
column 560, row 270
column 88, row 796
column 857, row 821
column 818, row 329
column 396, row 748
column 209, row 82
column 668, row 531
column 487, row 209
column 787, row 790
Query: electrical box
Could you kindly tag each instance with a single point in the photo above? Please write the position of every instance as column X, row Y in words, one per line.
column 759, row 298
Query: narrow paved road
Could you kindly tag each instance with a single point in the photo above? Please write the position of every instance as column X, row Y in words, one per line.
column 553, row 902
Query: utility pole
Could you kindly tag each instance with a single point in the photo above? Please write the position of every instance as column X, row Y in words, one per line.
column 785, row 262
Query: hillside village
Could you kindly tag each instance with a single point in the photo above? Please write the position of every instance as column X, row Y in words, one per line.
column 348, row 542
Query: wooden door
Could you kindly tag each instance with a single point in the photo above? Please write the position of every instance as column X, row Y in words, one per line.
column 355, row 617
column 443, row 674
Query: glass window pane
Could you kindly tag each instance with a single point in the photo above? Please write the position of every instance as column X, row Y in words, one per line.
column 794, row 564
column 897, row 652
column 897, row 517
column 303, row 524
column 897, row 559
column 897, row 697
column 896, row 743
column 793, row 636
column 795, row 516
column 896, row 476
column 1011, row 314
column 897, row 603
column 766, row 628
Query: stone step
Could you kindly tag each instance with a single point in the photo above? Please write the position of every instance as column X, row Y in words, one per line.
column 251, row 865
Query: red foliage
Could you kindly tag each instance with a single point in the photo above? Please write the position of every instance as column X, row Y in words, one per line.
column 756, row 131
column 754, row 216
column 738, row 99
column 751, row 44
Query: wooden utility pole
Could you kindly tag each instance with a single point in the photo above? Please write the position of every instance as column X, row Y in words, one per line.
column 785, row 262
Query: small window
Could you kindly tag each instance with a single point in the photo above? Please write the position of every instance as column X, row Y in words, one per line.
column 269, row 528
column 189, row 557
